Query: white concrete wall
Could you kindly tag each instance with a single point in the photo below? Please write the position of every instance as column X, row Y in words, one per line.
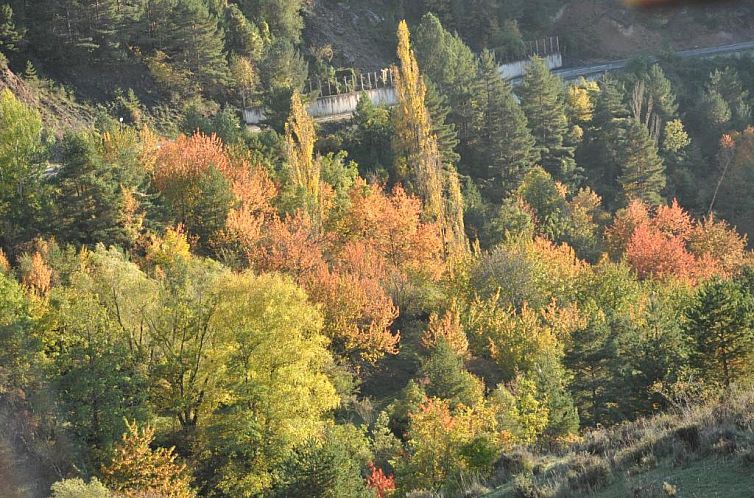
column 516, row 69
column 334, row 105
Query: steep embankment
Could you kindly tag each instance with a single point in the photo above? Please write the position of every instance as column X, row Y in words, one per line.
column 59, row 111
column 706, row 451
column 361, row 32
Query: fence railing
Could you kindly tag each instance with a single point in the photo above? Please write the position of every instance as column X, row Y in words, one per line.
column 356, row 82
column 542, row 47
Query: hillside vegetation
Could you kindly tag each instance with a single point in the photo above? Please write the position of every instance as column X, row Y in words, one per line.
column 483, row 288
column 697, row 451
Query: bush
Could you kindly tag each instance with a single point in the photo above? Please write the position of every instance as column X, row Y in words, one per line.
column 517, row 462
column 589, row 474
column 77, row 488
column 525, row 487
column 690, row 436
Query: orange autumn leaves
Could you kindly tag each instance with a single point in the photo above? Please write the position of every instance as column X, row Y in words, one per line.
column 668, row 243
column 353, row 269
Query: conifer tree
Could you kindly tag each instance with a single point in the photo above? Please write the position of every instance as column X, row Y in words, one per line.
column 447, row 138
column 661, row 91
column 600, row 149
column 543, row 103
column 451, row 65
column 720, row 326
column 643, row 172
column 505, row 146
column 198, row 43
column 88, row 196
column 10, row 35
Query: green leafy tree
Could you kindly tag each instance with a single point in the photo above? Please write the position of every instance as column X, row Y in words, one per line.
column 99, row 380
column 21, row 165
column 78, row 488
column 720, row 327
column 17, row 344
column 276, row 380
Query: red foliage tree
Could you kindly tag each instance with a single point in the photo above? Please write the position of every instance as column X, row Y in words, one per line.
column 382, row 484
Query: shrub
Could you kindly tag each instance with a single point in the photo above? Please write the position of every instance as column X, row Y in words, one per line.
column 517, row 462
column 690, row 436
column 525, row 487
column 589, row 474
column 77, row 488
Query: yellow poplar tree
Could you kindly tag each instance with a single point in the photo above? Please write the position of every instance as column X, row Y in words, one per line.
column 300, row 137
column 416, row 148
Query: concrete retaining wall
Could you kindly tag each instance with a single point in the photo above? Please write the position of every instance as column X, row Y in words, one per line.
column 516, row 69
column 333, row 105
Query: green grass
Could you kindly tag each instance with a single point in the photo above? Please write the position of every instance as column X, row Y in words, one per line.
column 709, row 478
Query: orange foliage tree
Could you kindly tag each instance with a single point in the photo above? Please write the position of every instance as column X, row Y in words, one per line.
column 670, row 244
column 392, row 225
column 183, row 164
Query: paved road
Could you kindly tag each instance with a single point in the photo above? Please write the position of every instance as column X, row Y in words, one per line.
column 572, row 73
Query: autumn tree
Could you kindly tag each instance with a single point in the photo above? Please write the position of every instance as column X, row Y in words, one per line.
column 278, row 391
column 136, row 469
column 304, row 167
column 417, row 150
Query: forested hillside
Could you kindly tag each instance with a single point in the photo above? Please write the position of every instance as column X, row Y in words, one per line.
column 452, row 295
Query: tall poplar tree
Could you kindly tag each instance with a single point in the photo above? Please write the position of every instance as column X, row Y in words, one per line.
column 304, row 168
column 416, row 148
column 417, row 153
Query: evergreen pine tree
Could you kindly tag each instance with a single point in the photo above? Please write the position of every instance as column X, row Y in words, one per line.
column 505, row 146
column 447, row 378
column 661, row 90
column 543, row 103
column 643, row 172
column 451, row 65
column 447, row 138
column 197, row 44
column 599, row 152
column 720, row 327
column 10, row 35
column 88, row 196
